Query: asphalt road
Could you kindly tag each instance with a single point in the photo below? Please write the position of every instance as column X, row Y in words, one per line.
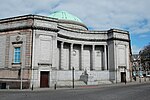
column 121, row 92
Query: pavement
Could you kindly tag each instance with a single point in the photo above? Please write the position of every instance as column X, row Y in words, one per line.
column 120, row 91
column 138, row 81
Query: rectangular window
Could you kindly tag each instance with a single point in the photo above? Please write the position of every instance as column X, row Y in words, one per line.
column 17, row 55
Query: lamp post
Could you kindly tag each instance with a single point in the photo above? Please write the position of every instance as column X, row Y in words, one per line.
column 72, row 77
column 21, row 77
column 116, row 75
column 32, row 70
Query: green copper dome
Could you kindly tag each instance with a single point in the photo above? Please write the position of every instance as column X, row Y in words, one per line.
column 64, row 15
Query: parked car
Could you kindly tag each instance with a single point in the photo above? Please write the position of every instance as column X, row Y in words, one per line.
column 148, row 75
column 141, row 74
column 134, row 74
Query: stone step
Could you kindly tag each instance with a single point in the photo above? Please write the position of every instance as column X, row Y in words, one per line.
column 69, row 83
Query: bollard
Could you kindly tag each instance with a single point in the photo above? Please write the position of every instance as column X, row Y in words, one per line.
column 32, row 87
column 55, row 86
column 140, row 80
column 7, row 86
column 125, row 81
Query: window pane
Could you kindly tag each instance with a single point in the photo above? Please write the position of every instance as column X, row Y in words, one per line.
column 17, row 55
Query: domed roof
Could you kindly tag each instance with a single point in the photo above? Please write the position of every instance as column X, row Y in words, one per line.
column 64, row 15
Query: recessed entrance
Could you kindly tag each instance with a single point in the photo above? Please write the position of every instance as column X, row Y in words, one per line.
column 44, row 79
column 123, row 76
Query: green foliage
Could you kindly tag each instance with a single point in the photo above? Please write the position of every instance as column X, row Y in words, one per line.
column 145, row 53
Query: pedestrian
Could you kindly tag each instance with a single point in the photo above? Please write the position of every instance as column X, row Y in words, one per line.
column 135, row 78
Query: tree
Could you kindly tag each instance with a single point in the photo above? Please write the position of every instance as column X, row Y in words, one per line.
column 145, row 53
column 145, row 58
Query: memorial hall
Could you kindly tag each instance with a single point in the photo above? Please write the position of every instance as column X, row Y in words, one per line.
column 59, row 49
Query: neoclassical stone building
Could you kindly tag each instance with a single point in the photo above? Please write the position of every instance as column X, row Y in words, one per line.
column 41, row 51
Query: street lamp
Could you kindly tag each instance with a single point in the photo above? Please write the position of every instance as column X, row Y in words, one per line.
column 116, row 75
column 32, row 70
column 73, row 77
column 21, row 76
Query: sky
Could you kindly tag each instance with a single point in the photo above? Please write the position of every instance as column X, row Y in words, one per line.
column 130, row 15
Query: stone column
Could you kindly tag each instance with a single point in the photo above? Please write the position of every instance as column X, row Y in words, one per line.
column 71, row 56
column 61, row 57
column 82, row 58
column 93, row 57
column 105, row 57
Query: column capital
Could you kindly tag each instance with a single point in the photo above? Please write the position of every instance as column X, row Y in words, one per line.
column 71, row 44
column 62, row 42
column 82, row 44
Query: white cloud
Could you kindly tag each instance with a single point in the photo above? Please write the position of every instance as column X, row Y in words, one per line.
column 18, row 7
column 105, row 14
column 99, row 14
column 135, row 49
column 132, row 15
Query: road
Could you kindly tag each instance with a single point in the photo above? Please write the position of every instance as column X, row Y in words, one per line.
column 121, row 92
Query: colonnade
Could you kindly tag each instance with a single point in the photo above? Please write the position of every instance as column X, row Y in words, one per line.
column 81, row 61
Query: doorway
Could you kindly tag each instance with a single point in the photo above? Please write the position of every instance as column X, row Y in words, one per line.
column 44, row 79
column 123, row 76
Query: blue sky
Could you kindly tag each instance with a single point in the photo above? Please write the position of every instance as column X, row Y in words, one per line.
column 130, row 15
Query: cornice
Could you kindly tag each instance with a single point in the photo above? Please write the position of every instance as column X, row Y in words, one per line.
column 84, row 39
column 29, row 27
column 25, row 17
column 119, row 39
column 118, row 31
column 81, row 31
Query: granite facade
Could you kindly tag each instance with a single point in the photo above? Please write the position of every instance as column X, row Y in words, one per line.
column 56, row 46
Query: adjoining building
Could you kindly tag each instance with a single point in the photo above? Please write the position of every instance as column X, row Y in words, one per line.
column 41, row 51
column 137, row 69
column 140, row 68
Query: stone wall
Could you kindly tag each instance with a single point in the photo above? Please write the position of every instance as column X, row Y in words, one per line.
column 2, row 50
column 14, row 35
column 64, row 78
column 41, row 39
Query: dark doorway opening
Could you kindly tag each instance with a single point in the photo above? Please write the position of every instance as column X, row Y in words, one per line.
column 44, row 79
column 123, row 76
